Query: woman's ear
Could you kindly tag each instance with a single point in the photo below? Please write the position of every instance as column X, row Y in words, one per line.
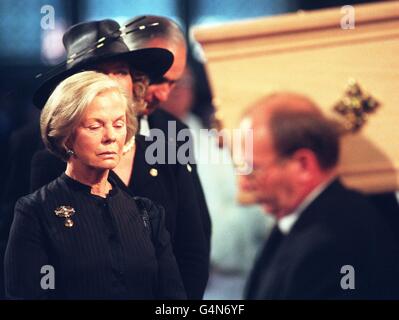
column 69, row 142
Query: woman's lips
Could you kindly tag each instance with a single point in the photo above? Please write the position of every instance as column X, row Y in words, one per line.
column 107, row 154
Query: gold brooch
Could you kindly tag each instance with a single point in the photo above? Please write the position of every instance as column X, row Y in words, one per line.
column 65, row 212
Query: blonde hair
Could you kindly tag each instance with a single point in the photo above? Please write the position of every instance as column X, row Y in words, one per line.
column 66, row 105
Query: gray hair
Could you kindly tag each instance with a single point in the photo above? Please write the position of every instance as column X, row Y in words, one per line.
column 66, row 105
column 156, row 27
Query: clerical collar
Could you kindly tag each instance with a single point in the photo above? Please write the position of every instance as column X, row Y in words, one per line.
column 286, row 223
column 144, row 126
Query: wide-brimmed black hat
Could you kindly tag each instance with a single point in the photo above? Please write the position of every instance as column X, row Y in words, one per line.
column 90, row 43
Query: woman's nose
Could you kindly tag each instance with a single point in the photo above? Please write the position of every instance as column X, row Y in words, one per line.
column 109, row 134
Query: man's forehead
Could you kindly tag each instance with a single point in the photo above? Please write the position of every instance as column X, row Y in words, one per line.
column 172, row 45
column 246, row 123
column 178, row 48
column 255, row 120
column 258, row 126
column 159, row 42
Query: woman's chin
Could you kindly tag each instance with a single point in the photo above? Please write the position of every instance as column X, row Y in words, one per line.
column 108, row 164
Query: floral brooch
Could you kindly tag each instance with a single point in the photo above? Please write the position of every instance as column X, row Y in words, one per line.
column 65, row 212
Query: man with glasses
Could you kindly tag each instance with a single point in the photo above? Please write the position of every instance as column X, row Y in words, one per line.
column 167, row 35
column 328, row 241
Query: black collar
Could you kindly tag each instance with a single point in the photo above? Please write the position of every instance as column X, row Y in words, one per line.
column 76, row 185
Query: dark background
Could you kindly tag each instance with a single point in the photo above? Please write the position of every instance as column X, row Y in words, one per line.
column 26, row 49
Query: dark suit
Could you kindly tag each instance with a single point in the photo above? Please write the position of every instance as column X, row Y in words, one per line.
column 161, row 119
column 338, row 228
column 23, row 144
column 174, row 189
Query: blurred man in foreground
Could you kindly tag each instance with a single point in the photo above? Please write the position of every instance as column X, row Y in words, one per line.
column 328, row 241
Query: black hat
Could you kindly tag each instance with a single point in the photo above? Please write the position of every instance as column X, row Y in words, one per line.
column 90, row 43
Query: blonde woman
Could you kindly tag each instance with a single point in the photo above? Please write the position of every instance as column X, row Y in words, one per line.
column 171, row 185
column 81, row 236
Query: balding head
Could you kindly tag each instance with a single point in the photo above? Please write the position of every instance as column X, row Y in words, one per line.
column 294, row 121
column 295, row 149
column 152, row 28
column 262, row 109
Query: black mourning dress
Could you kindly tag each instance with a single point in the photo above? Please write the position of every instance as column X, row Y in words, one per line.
column 172, row 187
column 110, row 252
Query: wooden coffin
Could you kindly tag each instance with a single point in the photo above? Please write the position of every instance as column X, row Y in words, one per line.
column 310, row 53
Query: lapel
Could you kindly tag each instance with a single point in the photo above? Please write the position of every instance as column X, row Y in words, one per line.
column 144, row 175
column 259, row 279
column 319, row 207
column 158, row 120
column 263, row 261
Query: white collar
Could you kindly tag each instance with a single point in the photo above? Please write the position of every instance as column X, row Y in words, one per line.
column 286, row 223
column 144, row 126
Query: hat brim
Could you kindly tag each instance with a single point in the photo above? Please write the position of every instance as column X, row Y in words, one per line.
column 154, row 62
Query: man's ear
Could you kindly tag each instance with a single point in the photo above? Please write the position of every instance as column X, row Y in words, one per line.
column 306, row 162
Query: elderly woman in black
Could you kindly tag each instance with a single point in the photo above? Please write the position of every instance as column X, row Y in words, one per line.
column 81, row 236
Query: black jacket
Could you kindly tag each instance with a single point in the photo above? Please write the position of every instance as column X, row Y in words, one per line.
column 110, row 252
column 174, row 189
column 339, row 228
column 162, row 119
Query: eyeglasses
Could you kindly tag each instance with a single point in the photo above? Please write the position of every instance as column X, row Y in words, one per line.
column 163, row 80
column 257, row 170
